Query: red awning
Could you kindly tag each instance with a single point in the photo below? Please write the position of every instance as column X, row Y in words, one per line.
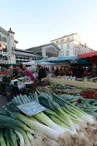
column 92, row 56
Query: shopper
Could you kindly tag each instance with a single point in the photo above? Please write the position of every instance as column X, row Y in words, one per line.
column 41, row 72
column 27, row 72
column 57, row 71
column 4, row 71
column 94, row 71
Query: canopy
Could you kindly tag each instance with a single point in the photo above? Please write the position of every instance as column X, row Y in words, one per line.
column 46, row 63
column 92, row 56
column 83, row 62
column 29, row 63
column 58, row 59
column 42, row 60
column 67, row 58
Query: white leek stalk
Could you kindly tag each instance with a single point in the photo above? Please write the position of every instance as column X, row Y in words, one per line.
column 22, row 143
column 38, row 126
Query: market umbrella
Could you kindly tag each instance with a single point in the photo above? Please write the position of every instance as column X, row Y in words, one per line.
column 83, row 62
column 92, row 56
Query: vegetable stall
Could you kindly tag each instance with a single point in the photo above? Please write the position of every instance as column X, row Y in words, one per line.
column 60, row 123
column 61, row 115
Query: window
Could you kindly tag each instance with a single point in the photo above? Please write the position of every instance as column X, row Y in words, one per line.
column 62, row 40
column 67, row 53
column 68, row 39
column 68, row 46
column 75, row 52
column 13, row 48
column 4, row 39
column 56, row 42
column 78, row 53
column 62, row 53
column 5, row 49
column 61, row 46
column 0, row 38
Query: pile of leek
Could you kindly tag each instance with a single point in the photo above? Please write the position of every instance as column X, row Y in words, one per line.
column 61, row 124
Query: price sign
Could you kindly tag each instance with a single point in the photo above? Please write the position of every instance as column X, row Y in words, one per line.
column 31, row 109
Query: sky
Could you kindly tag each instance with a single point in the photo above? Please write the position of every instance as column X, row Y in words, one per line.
column 37, row 22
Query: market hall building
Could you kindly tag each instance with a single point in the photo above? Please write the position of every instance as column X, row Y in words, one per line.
column 9, row 54
column 46, row 50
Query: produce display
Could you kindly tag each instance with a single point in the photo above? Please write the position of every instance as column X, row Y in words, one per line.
column 72, row 90
column 90, row 94
column 58, row 88
column 85, row 99
column 87, row 105
column 61, row 124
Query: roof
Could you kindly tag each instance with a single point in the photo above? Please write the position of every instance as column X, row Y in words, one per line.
column 25, row 51
column 63, row 36
column 38, row 47
column 4, row 31
column 26, row 54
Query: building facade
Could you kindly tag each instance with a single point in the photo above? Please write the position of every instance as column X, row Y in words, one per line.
column 25, row 56
column 7, row 46
column 47, row 50
column 70, row 45
column 8, row 52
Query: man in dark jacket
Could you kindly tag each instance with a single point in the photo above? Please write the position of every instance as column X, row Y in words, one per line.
column 41, row 73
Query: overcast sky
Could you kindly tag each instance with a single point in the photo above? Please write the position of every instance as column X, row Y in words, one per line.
column 36, row 22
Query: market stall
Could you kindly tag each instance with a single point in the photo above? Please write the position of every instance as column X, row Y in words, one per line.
column 43, row 119
column 82, row 84
column 54, row 115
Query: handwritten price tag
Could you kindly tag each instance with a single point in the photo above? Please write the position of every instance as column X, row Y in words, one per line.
column 31, row 109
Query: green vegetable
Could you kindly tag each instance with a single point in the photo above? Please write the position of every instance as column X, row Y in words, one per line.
column 13, row 137
column 12, row 123
column 21, row 138
column 2, row 139
column 24, row 134
column 38, row 126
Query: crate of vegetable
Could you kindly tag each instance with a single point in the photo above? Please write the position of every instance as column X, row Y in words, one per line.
column 92, row 94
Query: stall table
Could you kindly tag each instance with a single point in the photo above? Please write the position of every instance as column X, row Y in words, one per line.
column 80, row 84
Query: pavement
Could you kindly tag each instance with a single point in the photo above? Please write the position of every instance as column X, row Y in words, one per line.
column 3, row 101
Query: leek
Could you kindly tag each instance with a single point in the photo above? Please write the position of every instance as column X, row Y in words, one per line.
column 13, row 123
column 13, row 137
column 22, row 143
column 26, row 139
column 32, row 139
column 7, row 142
column 47, row 121
column 38, row 126
column 2, row 140
column 73, row 109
